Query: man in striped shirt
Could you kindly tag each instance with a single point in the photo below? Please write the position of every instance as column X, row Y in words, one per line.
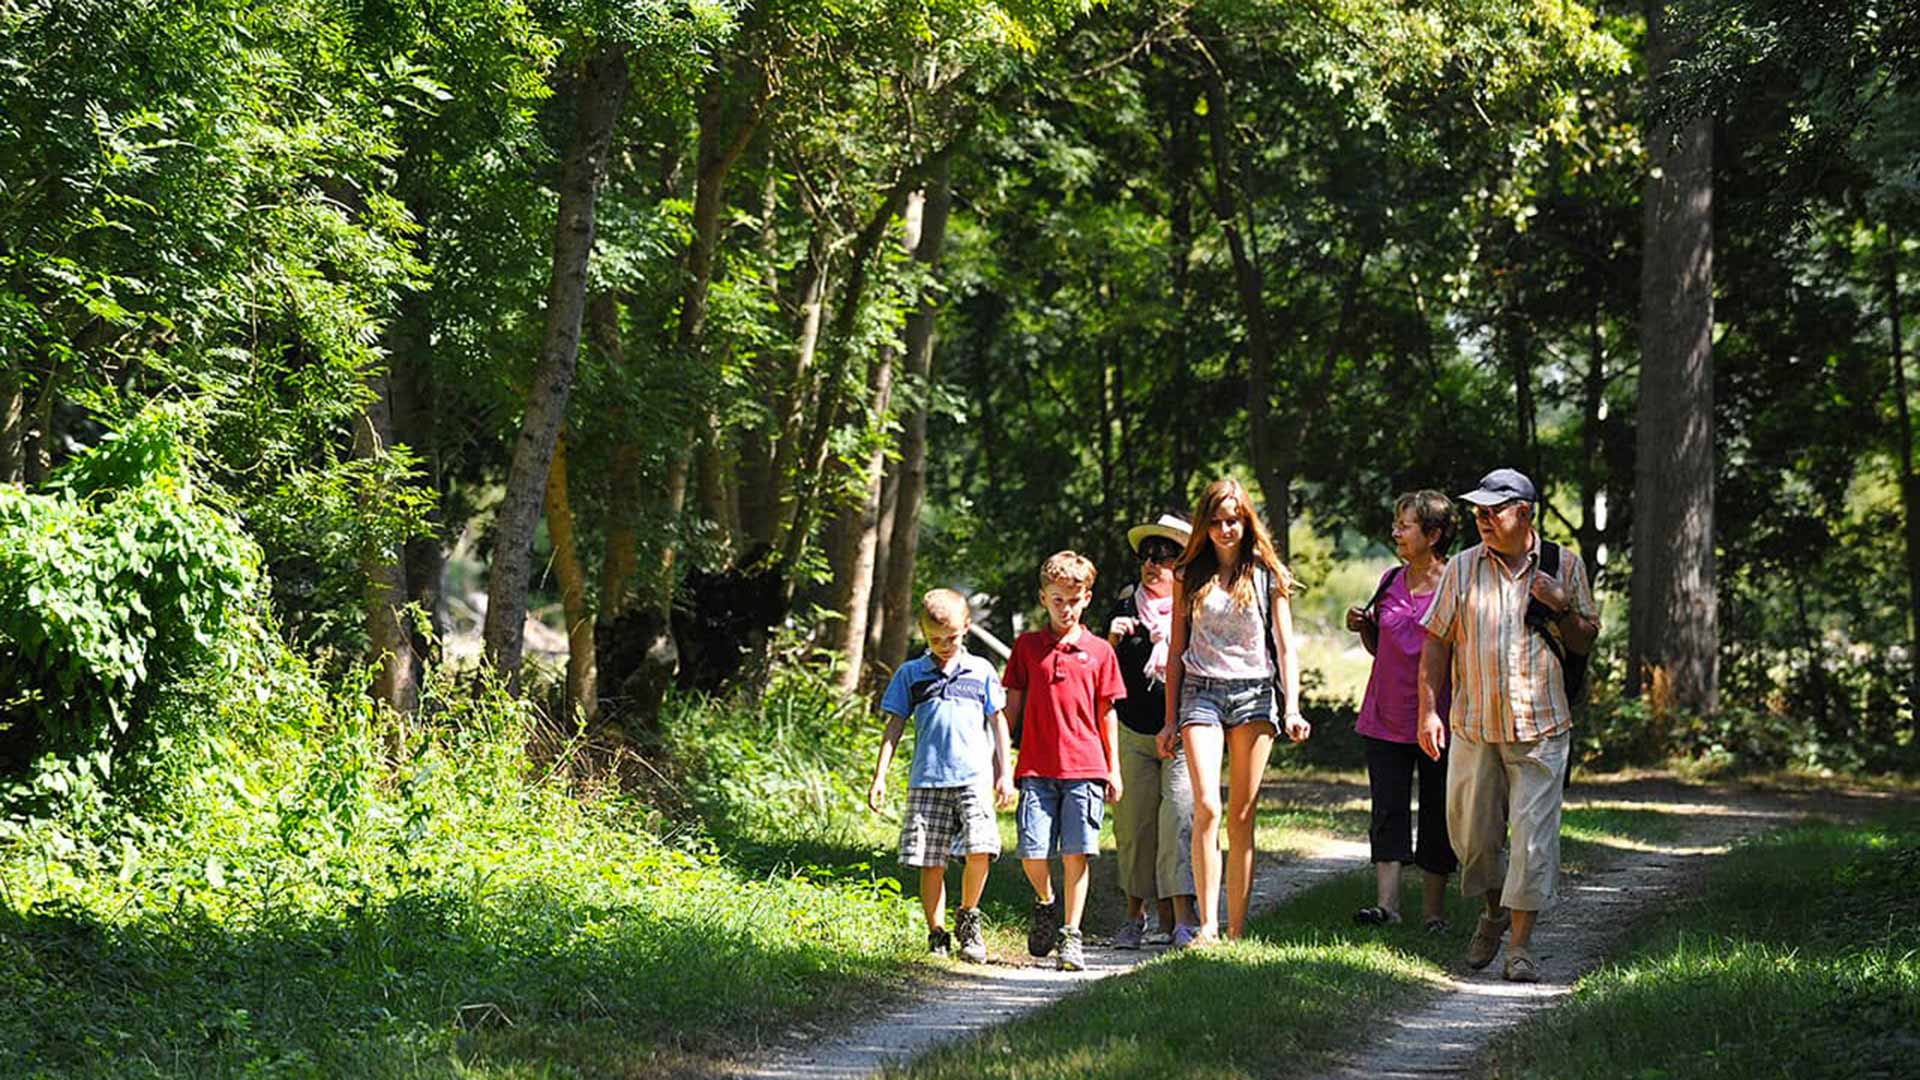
column 1511, row 717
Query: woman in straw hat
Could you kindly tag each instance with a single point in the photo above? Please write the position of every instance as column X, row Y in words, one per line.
column 1153, row 825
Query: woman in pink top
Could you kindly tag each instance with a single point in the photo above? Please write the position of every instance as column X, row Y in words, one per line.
column 1423, row 528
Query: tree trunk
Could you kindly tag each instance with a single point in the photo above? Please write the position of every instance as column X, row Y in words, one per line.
column 572, row 577
column 813, row 458
column 389, row 644
column 1274, row 477
column 600, row 91
column 904, row 547
column 37, row 447
column 620, row 563
column 782, row 494
column 1181, row 166
column 13, row 425
column 1674, row 625
column 1909, row 483
column 1593, row 401
column 410, row 389
column 723, row 138
column 859, row 526
column 882, row 557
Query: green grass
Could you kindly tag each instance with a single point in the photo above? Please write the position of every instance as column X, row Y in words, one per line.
column 1305, row 985
column 1802, row 959
column 354, row 899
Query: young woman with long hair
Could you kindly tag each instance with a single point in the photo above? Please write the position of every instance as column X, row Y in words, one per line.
column 1231, row 642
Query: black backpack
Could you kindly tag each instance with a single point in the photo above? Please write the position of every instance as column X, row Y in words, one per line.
column 1573, row 665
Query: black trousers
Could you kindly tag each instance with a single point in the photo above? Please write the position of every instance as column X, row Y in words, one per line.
column 1391, row 769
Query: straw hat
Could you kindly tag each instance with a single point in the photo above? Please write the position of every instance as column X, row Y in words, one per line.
column 1168, row 526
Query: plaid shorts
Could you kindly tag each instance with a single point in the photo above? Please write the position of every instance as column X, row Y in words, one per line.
column 948, row 820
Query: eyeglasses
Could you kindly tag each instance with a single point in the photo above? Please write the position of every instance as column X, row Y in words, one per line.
column 1159, row 553
column 1485, row 512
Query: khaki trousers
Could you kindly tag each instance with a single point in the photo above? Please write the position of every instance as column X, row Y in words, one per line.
column 1503, row 815
column 1153, row 825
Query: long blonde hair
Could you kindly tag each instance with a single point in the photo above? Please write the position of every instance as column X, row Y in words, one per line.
column 1199, row 566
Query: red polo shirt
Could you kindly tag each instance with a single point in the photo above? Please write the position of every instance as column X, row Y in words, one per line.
column 1069, row 687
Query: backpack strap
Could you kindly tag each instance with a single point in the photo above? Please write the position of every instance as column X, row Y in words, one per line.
column 1386, row 582
column 1539, row 616
column 1265, row 579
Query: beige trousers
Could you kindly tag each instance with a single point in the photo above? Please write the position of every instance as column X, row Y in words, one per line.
column 1503, row 815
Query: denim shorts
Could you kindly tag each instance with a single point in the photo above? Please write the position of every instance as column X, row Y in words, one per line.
column 1060, row 817
column 1226, row 703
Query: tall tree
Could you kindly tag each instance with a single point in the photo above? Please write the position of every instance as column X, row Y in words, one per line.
column 600, row 88
column 1674, row 636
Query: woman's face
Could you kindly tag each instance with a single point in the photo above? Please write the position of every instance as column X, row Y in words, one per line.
column 1410, row 541
column 1226, row 528
column 1157, row 556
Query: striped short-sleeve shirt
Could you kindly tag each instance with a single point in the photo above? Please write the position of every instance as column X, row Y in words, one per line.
column 1507, row 684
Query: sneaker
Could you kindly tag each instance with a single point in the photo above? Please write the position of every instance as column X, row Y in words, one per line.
column 1520, row 966
column 1486, row 940
column 1187, row 935
column 1130, row 936
column 939, row 943
column 966, row 932
column 1073, row 956
column 1158, row 937
column 1043, row 926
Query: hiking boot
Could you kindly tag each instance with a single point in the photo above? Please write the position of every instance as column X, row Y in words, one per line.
column 1073, row 956
column 966, row 933
column 1130, row 936
column 1520, row 966
column 939, row 943
column 1043, row 927
column 1486, row 940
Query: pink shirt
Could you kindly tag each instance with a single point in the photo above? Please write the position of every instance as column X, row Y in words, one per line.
column 1391, row 709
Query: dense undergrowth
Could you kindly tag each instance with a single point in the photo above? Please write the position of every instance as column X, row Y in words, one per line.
column 333, row 891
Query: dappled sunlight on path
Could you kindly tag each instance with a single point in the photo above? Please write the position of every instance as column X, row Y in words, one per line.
column 1596, row 908
column 967, row 1000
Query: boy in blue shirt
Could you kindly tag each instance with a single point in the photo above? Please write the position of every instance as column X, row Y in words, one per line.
column 959, row 768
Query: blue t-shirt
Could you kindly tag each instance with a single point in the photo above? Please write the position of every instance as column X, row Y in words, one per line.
column 952, row 712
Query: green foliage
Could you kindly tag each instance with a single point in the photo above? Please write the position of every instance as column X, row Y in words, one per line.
column 117, row 592
column 790, row 760
column 336, row 892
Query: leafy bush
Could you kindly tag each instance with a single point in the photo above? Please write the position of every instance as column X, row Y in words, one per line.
column 117, row 589
column 792, row 759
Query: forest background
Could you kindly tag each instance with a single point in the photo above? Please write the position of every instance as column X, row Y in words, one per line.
column 338, row 337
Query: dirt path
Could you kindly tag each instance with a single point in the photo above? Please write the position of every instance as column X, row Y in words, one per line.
column 1447, row 1036
column 1444, row 1037
column 957, row 1003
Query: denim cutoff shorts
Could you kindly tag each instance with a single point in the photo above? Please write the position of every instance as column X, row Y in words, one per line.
column 1227, row 703
column 1060, row 817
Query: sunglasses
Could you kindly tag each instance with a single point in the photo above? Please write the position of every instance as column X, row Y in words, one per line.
column 1486, row 512
column 1159, row 553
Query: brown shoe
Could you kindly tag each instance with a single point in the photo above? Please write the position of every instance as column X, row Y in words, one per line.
column 1486, row 940
column 1520, row 966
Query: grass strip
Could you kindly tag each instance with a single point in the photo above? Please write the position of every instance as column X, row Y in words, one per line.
column 1305, row 984
column 1798, row 960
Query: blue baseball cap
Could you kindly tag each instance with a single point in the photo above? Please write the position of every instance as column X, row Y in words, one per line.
column 1502, row 485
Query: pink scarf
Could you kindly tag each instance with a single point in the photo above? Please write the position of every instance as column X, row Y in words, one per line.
column 1156, row 614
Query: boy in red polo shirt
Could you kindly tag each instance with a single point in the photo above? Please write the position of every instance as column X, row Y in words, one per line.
column 1062, row 682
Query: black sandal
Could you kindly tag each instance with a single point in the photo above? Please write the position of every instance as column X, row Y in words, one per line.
column 1375, row 916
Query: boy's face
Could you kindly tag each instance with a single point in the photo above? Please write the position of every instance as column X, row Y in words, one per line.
column 943, row 641
column 1065, row 602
